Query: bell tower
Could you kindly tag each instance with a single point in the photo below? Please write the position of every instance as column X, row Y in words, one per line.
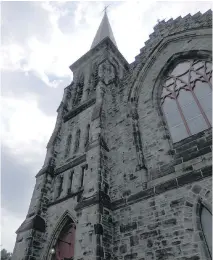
column 70, row 211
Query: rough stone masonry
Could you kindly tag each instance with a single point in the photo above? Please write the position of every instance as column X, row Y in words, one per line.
column 112, row 168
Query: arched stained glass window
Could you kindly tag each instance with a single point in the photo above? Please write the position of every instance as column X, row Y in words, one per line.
column 186, row 98
column 206, row 223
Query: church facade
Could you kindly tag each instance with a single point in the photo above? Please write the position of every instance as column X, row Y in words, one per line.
column 127, row 174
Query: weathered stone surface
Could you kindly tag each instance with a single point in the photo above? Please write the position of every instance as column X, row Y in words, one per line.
column 130, row 192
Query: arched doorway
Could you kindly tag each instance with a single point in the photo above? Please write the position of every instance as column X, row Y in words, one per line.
column 64, row 247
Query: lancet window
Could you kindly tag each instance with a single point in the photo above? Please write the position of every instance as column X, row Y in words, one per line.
column 77, row 140
column 186, row 98
column 87, row 135
column 68, row 145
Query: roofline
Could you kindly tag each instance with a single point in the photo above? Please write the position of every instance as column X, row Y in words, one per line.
column 94, row 50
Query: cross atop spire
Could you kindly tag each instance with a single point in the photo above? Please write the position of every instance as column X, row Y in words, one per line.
column 105, row 8
column 104, row 31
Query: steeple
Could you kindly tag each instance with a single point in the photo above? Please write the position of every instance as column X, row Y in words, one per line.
column 104, row 31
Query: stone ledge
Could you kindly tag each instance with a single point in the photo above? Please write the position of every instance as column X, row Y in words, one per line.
column 169, row 185
column 71, row 164
column 192, row 138
column 79, row 109
column 189, row 177
column 163, row 187
column 35, row 222
column 71, row 195
column 186, row 150
column 142, row 194
column 48, row 169
column 98, row 198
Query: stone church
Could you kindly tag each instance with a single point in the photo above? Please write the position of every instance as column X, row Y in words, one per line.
column 127, row 173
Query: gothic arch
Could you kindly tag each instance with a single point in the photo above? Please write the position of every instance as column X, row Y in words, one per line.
column 172, row 62
column 63, row 220
column 141, row 94
column 170, row 65
column 198, row 198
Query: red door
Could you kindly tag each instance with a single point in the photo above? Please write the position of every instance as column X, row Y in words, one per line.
column 65, row 244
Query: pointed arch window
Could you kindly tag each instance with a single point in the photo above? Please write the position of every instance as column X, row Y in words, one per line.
column 77, row 140
column 206, row 224
column 68, row 145
column 186, row 99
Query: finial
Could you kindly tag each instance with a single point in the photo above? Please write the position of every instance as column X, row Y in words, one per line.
column 105, row 8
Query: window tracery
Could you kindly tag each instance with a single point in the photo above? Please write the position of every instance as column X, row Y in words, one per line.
column 186, row 98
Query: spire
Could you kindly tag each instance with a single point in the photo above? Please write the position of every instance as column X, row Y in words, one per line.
column 104, row 31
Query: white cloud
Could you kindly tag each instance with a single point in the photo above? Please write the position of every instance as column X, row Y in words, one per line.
column 132, row 22
column 25, row 129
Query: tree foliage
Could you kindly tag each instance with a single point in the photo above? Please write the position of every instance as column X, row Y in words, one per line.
column 5, row 255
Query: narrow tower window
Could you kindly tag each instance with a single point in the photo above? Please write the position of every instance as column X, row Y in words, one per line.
column 186, row 99
column 70, row 182
column 60, row 186
column 87, row 136
column 68, row 145
column 206, row 223
column 83, row 169
column 77, row 140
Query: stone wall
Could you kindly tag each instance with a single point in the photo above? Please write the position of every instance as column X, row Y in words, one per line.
column 140, row 194
column 164, row 226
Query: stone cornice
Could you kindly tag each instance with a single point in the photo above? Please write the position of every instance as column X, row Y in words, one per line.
column 106, row 42
column 70, row 195
column 98, row 198
column 71, row 164
column 74, row 112
column 103, row 199
column 48, row 169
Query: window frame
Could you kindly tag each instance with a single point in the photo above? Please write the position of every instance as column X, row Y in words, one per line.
column 163, row 75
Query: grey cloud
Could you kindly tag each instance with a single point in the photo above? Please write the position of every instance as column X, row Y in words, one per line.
column 48, row 98
column 17, row 184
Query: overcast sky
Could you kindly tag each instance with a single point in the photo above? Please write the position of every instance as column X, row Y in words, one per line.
column 39, row 40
